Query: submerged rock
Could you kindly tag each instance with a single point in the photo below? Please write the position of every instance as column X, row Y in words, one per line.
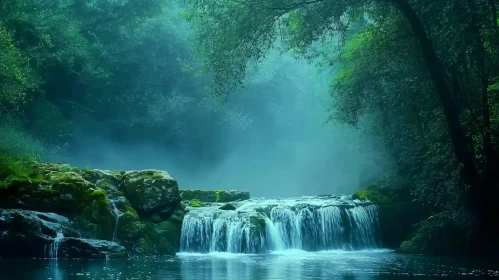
column 214, row 196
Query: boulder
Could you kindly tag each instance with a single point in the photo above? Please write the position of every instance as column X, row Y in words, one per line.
column 78, row 209
column 28, row 233
column 90, row 249
column 150, row 191
column 227, row 206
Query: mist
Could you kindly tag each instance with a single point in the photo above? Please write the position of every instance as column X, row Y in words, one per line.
column 273, row 141
column 272, row 138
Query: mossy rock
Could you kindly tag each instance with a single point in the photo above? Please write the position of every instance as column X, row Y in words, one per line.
column 169, row 231
column 214, row 196
column 150, row 191
column 195, row 203
column 376, row 194
column 397, row 212
column 440, row 234
column 61, row 190
column 85, row 196
column 199, row 195
column 143, row 247
column 227, row 206
column 165, row 247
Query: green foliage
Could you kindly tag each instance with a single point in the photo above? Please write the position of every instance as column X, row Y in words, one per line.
column 18, row 144
column 221, row 195
column 442, row 233
column 375, row 194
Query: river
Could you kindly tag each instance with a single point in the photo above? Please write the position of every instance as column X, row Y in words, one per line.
column 288, row 264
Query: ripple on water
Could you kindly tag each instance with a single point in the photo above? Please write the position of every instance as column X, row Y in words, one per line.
column 287, row 264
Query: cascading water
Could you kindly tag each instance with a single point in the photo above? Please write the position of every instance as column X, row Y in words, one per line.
column 117, row 215
column 259, row 226
column 50, row 251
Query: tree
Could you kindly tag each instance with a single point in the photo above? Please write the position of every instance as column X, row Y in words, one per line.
column 232, row 34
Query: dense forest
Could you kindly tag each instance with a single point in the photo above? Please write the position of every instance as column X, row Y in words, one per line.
column 425, row 73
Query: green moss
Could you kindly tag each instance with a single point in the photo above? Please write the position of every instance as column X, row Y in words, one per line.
column 100, row 197
column 144, row 246
column 228, row 206
column 221, row 195
column 437, row 235
column 376, row 194
column 12, row 169
column 195, row 203
column 132, row 212
column 165, row 247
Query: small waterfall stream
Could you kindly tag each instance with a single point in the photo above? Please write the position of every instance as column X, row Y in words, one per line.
column 259, row 226
column 51, row 251
column 117, row 215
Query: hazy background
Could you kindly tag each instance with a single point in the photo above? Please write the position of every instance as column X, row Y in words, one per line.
column 271, row 138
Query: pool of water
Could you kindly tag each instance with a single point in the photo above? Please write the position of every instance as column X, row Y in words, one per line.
column 290, row 264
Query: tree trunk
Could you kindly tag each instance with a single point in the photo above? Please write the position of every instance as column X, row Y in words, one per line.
column 437, row 73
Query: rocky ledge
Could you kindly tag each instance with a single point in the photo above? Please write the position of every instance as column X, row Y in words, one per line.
column 56, row 210
column 214, row 196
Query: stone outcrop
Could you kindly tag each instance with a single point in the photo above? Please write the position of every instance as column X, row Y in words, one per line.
column 90, row 213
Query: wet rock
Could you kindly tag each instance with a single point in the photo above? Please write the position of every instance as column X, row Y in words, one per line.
column 150, row 191
column 27, row 233
column 101, row 204
column 91, row 249
column 227, row 206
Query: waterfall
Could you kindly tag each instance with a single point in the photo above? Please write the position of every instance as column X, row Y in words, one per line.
column 117, row 215
column 259, row 226
column 50, row 251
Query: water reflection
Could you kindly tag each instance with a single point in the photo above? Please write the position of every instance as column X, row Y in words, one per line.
column 374, row 265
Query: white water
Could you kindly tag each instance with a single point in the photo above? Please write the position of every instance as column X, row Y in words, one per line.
column 117, row 215
column 51, row 251
column 261, row 226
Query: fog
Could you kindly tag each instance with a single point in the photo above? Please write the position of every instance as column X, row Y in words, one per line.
column 272, row 138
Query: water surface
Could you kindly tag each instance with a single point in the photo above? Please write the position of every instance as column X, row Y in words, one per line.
column 290, row 264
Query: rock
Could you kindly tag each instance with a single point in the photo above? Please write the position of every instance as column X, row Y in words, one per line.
column 229, row 196
column 91, row 249
column 150, row 191
column 169, row 237
column 27, row 233
column 227, row 206
column 60, row 189
column 143, row 247
column 88, row 205
column 214, row 196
